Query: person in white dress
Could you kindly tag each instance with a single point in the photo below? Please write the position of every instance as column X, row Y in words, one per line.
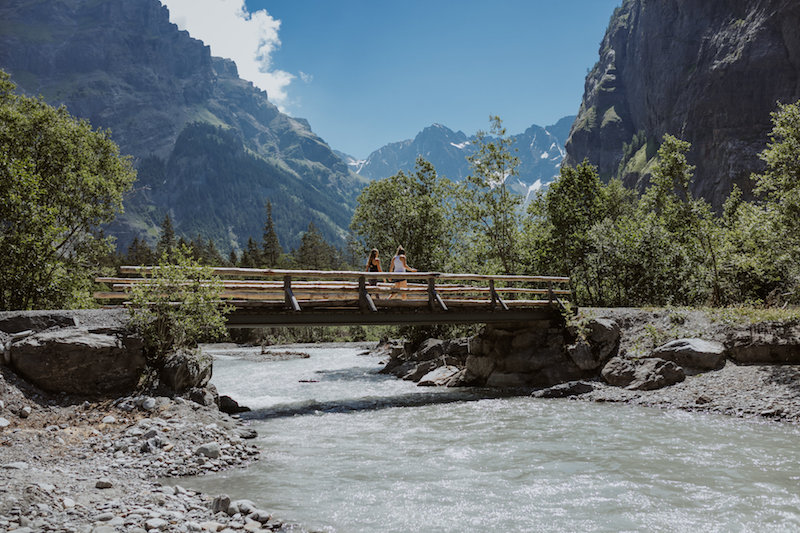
column 399, row 264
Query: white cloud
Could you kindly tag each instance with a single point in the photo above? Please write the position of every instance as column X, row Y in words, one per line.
column 306, row 77
column 231, row 31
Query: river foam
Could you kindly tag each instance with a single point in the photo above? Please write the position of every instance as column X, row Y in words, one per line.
column 348, row 450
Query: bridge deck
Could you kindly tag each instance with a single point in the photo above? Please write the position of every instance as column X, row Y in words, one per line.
column 307, row 297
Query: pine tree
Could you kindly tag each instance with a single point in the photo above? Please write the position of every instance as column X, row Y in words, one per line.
column 251, row 256
column 166, row 244
column 139, row 253
column 314, row 252
column 271, row 246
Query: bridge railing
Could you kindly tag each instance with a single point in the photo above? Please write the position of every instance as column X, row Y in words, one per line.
column 369, row 291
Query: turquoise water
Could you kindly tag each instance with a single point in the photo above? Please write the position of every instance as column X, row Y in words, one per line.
column 352, row 451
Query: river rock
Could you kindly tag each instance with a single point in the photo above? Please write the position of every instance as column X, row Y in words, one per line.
column 185, row 369
column 692, row 353
column 642, row 374
column 207, row 395
column 209, row 449
column 439, row 377
column 230, row 406
column 103, row 483
column 221, row 504
column 72, row 360
column 430, row 349
column 565, row 390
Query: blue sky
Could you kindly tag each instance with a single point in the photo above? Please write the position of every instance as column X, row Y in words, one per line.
column 369, row 72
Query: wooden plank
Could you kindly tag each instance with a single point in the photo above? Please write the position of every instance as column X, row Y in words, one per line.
column 354, row 275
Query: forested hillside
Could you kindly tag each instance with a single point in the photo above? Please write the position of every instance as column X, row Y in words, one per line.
column 210, row 148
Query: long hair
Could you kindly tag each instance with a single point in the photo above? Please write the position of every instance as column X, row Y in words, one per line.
column 373, row 254
column 400, row 251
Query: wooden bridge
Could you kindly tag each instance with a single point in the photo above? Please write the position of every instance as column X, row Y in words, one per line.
column 274, row 297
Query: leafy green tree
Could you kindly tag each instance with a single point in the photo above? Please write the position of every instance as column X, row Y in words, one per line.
column 490, row 210
column 688, row 220
column 410, row 210
column 179, row 306
column 60, row 181
column 271, row 247
column 779, row 184
column 558, row 231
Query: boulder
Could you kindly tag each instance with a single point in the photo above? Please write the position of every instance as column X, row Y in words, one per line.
column 185, row 369
column 604, row 337
column 439, row 377
column 35, row 321
column 565, row 390
column 692, row 353
column 642, row 374
column 765, row 344
column 75, row 361
column 430, row 349
column 601, row 343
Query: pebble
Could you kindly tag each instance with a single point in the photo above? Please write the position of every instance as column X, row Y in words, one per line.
column 108, row 419
column 103, row 483
column 156, row 523
column 209, row 449
column 25, row 412
column 68, row 503
column 4, row 423
column 149, row 404
column 16, row 465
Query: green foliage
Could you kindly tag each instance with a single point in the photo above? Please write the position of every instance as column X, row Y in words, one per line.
column 412, row 210
column 487, row 206
column 780, row 183
column 178, row 306
column 60, row 181
column 557, row 236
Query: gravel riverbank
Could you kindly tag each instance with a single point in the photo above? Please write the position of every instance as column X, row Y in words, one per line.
column 758, row 391
column 71, row 465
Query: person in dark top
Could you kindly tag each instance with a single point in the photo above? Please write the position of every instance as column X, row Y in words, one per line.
column 374, row 265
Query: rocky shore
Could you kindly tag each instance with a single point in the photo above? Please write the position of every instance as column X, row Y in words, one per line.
column 102, row 463
column 720, row 361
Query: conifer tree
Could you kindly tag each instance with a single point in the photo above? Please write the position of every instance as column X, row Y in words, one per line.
column 166, row 244
column 272, row 251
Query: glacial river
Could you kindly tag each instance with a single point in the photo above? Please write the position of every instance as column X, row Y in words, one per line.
column 348, row 450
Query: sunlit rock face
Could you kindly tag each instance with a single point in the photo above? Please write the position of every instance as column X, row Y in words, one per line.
column 707, row 72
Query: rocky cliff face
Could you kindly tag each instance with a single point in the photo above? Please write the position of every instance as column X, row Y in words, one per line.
column 123, row 66
column 540, row 151
column 707, row 72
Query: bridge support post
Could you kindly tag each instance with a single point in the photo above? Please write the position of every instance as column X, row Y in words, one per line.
column 291, row 301
column 434, row 299
column 496, row 297
column 364, row 299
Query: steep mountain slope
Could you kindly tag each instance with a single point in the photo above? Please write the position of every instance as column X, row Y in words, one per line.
column 540, row 151
column 209, row 146
column 708, row 72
